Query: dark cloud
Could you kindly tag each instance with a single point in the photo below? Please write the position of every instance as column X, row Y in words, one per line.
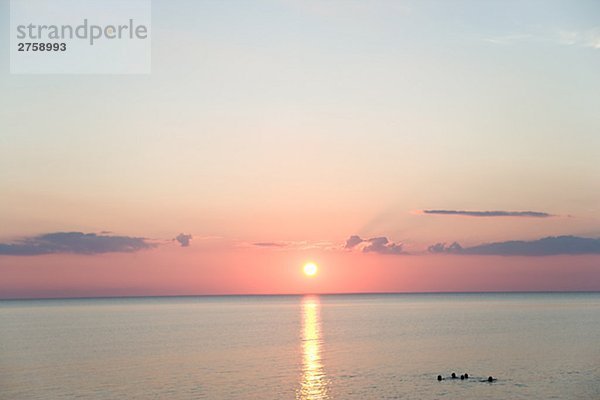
column 183, row 239
column 74, row 242
column 382, row 245
column 442, row 248
column 353, row 241
column 548, row 246
column 269, row 244
column 379, row 245
column 534, row 214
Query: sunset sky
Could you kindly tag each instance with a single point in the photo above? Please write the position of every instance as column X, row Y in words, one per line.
column 365, row 136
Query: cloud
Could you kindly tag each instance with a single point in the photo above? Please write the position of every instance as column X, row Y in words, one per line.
column 183, row 239
column 496, row 213
column 380, row 245
column 588, row 38
column 270, row 244
column 548, row 246
column 353, row 241
column 510, row 39
column 291, row 245
column 442, row 248
column 74, row 242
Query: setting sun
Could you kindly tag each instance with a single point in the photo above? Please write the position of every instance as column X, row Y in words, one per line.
column 310, row 269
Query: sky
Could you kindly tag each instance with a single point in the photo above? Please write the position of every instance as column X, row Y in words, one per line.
column 403, row 146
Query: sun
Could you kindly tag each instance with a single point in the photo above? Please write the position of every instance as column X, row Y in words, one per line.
column 310, row 269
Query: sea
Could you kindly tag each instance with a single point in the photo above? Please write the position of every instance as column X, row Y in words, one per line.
column 317, row 347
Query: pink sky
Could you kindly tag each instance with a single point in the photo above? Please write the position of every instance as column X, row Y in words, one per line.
column 186, row 271
column 300, row 126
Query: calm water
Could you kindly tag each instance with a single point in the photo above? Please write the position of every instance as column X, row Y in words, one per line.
column 540, row 346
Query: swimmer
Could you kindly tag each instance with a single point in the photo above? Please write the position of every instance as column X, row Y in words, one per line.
column 466, row 376
column 453, row 375
column 462, row 377
column 439, row 378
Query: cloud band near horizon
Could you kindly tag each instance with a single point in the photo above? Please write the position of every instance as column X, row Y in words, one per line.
column 380, row 245
column 494, row 213
column 548, row 246
column 74, row 243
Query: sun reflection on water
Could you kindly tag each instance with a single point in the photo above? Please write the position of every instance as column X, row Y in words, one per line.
column 313, row 383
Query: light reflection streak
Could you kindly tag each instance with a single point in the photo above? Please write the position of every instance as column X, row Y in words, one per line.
column 313, row 384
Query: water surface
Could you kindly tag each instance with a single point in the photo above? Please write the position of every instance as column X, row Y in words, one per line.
column 302, row 347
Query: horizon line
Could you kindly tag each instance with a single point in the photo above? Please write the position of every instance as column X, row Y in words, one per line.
column 299, row 294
